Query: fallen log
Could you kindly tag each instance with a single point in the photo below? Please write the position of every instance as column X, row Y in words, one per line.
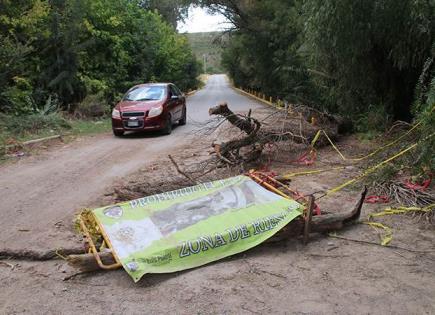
column 35, row 255
column 32, row 142
column 318, row 224
column 223, row 110
column 87, row 262
column 257, row 137
column 248, row 125
column 322, row 223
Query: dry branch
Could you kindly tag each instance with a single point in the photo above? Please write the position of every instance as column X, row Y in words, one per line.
column 403, row 195
column 258, row 134
column 223, row 110
column 39, row 255
column 180, row 171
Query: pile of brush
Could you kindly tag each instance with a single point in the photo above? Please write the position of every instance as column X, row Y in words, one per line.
column 400, row 193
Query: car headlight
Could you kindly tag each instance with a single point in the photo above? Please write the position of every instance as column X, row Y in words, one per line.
column 155, row 111
column 116, row 113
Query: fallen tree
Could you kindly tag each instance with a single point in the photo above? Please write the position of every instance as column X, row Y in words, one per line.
column 300, row 126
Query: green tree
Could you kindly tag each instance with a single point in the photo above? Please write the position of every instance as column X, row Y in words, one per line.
column 344, row 56
column 172, row 11
column 67, row 50
column 424, row 111
column 264, row 50
column 369, row 52
column 22, row 27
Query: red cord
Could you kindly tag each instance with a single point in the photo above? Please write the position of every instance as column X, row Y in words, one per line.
column 377, row 199
column 417, row 186
column 308, row 158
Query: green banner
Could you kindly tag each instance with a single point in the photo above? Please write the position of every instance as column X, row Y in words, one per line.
column 193, row 226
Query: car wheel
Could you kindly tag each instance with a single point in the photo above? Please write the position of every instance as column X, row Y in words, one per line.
column 118, row 133
column 183, row 120
column 168, row 126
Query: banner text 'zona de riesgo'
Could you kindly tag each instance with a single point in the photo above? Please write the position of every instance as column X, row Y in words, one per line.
column 193, row 226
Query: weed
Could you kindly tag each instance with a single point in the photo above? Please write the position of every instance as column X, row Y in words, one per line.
column 19, row 126
column 373, row 122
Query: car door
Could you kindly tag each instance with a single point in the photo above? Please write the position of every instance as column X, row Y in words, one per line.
column 176, row 103
column 182, row 98
column 171, row 103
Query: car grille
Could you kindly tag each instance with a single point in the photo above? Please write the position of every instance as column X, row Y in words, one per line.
column 141, row 123
column 133, row 114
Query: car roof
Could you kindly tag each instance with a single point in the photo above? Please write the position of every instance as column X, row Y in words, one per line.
column 153, row 84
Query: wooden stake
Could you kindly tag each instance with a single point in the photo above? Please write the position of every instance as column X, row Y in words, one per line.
column 308, row 217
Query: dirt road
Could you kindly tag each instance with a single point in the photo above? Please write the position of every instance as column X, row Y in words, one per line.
column 39, row 195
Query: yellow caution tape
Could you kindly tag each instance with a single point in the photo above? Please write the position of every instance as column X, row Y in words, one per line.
column 401, row 210
column 370, row 170
column 57, row 252
column 388, row 234
column 359, row 177
column 387, row 237
column 290, row 175
column 320, row 132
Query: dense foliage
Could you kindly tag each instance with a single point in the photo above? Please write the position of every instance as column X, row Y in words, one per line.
column 67, row 51
column 371, row 51
column 369, row 60
column 173, row 11
column 344, row 56
column 263, row 53
column 424, row 110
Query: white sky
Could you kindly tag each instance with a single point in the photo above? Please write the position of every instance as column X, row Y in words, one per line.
column 200, row 21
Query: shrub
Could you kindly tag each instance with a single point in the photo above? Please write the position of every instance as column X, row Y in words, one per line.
column 373, row 122
column 424, row 109
column 22, row 125
column 93, row 106
column 17, row 100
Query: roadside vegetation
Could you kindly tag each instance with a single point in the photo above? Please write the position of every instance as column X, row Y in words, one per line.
column 370, row 61
column 15, row 130
column 66, row 61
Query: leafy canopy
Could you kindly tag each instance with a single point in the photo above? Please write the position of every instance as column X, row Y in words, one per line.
column 68, row 50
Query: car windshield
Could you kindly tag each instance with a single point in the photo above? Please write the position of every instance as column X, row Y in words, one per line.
column 145, row 93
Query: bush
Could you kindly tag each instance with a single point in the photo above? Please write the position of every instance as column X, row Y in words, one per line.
column 424, row 110
column 93, row 106
column 17, row 101
column 374, row 121
column 30, row 124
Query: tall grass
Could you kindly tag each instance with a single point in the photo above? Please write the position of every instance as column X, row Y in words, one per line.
column 20, row 126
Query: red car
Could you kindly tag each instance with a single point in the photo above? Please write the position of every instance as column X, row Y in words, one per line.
column 151, row 106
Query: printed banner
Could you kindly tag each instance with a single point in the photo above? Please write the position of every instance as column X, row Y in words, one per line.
column 193, row 226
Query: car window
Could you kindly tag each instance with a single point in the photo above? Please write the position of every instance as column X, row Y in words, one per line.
column 145, row 93
column 174, row 90
column 178, row 90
